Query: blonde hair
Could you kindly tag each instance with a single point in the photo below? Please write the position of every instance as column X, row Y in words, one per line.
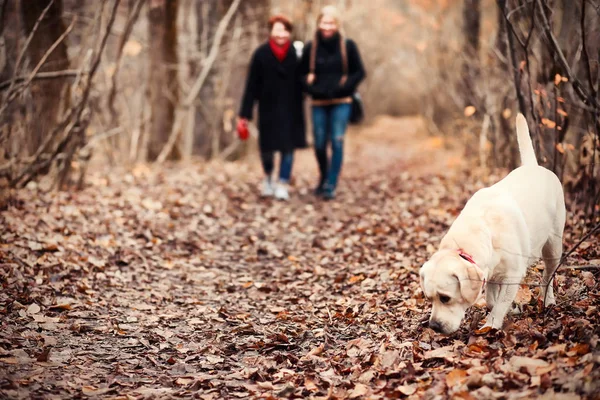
column 330, row 11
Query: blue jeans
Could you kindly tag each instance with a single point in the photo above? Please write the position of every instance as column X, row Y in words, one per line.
column 329, row 126
column 285, row 164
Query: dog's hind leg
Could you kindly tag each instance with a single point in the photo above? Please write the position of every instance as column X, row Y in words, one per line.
column 551, row 254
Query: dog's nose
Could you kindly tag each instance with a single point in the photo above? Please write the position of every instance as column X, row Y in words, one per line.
column 436, row 326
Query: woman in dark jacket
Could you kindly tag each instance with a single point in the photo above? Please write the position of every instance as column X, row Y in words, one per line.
column 331, row 83
column 274, row 82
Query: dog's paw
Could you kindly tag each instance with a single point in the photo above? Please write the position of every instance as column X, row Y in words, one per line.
column 516, row 310
column 492, row 324
column 550, row 303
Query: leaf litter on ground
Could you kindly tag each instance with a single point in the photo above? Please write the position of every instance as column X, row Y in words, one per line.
column 180, row 281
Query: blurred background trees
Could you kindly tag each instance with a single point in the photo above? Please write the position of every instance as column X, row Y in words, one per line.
column 121, row 81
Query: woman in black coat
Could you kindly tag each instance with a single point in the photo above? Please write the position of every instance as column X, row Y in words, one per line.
column 274, row 82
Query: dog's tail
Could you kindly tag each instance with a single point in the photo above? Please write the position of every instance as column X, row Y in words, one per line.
column 525, row 145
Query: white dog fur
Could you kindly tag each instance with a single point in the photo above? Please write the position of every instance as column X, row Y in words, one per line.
column 501, row 231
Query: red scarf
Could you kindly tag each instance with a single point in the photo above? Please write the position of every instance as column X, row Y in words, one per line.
column 279, row 51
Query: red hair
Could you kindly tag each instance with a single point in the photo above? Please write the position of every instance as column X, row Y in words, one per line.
column 283, row 20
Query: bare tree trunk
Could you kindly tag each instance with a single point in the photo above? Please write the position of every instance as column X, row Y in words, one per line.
column 163, row 86
column 207, row 15
column 45, row 109
column 471, row 31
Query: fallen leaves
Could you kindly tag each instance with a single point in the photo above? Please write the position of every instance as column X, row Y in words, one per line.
column 531, row 365
column 182, row 282
column 33, row 309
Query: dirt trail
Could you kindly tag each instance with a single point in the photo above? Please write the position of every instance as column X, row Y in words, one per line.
column 181, row 282
column 388, row 146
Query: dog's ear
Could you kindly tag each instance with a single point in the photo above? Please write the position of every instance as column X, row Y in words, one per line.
column 470, row 279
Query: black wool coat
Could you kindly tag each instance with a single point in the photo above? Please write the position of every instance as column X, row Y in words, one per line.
column 277, row 88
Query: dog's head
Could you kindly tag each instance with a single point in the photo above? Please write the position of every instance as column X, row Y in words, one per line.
column 453, row 284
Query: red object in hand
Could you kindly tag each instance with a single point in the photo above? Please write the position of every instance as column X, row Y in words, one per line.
column 242, row 129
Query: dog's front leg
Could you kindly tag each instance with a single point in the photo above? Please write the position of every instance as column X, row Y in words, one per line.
column 505, row 297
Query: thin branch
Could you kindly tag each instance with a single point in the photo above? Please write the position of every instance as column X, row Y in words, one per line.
column 74, row 116
column 510, row 33
column 122, row 41
column 67, row 73
column 564, row 258
column 553, row 44
column 57, row 42
column 2, row 14
column 189, row 100
column 24, row 49
column 586, row 55
column 212, row 55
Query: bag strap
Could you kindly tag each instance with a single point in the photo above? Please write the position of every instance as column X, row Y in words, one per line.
column 344, row 51
column 313, row 54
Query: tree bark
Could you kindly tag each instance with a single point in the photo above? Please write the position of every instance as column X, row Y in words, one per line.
column 163, row 86
column 471, row 67
column 45, row 109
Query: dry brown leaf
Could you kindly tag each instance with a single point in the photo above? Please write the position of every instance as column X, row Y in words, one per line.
column 33, row 309
column 533, row 366
column 359, row 391
column 456, row 377
column 407, row 390
column 442, row 352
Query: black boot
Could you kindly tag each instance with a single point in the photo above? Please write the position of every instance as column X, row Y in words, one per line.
column 320, row 189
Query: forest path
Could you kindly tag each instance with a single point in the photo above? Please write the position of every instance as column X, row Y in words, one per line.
column 180, row 281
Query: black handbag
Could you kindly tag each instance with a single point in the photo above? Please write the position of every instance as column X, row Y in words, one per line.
column 358, row 113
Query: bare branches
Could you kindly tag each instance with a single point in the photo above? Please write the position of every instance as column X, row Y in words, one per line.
column 50, row 50
column 72, row 124
column 122, row 40
column 555, row 48
column 212, row 55
column 568, row 254
column 511, row 35
column 586, row 55
column 197, row 86
column 22, row 54
column 67, row 73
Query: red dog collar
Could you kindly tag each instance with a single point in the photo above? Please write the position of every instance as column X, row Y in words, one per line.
column 469, row 258
column 466, row 256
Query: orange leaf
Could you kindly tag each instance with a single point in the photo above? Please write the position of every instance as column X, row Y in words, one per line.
column 469, row 110
column 456, row 377
column 548, row 123
column 560, row 148
column 557, row 79
column 579, row 349
column 522, row 65
column 562, row 112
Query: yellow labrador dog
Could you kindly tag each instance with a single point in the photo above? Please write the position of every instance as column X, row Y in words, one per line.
column 501, row 231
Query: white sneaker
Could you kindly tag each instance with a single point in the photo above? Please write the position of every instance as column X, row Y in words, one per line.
column 267, row 188
column 281, row 191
